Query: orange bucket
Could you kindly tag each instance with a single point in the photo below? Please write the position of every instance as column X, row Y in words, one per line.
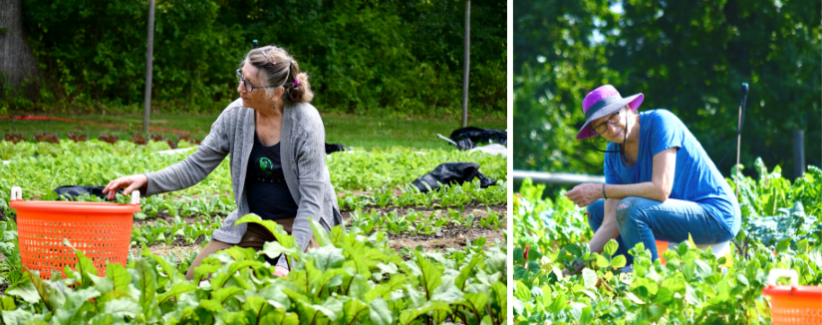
column 793, row 304
column 102, row 231
column 661, row 248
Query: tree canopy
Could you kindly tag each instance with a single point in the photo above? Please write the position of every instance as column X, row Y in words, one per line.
column 689, row 57
column 362, row 56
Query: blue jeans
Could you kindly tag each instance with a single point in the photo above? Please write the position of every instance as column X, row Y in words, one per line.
column 645, row 220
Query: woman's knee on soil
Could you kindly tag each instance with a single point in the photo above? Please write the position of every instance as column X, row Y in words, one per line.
column 596, row 213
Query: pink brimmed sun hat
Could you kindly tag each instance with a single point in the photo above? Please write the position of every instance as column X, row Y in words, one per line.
column 602, row 102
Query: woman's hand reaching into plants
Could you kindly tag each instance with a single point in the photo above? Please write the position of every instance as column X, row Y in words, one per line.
column 585, row 194
column 131, row 183
column 578, row 266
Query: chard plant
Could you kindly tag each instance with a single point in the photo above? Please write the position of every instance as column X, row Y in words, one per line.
column 348, row 280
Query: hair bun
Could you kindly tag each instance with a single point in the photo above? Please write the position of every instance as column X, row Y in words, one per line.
column 300, row 91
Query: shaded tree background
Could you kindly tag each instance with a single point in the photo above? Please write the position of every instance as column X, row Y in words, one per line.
column 395, row 56
column 686, row 56
column 16, row 59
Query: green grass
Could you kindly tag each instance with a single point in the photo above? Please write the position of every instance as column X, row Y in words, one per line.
column 356, row 131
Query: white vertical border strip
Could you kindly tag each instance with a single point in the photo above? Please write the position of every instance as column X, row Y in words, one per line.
column 509, row 238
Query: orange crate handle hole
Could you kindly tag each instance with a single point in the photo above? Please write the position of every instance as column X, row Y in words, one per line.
column 775, row 274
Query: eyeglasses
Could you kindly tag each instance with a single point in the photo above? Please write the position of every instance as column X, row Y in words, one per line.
column 613, row 119
column 248, row 86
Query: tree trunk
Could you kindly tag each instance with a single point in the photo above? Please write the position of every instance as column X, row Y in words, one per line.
column 16, row 58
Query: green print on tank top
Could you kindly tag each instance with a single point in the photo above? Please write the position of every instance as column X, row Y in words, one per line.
column 266, row 165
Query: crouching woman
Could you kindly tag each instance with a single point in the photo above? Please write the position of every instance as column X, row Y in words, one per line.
column 660, row 183
column 276, row 142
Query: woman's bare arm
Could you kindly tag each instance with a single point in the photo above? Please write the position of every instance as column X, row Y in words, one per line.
column 659, row 188
column 608, row 230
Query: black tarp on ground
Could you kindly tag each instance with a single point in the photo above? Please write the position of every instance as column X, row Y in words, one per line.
column 467, row 138
column 333, row 147
column 450, row 173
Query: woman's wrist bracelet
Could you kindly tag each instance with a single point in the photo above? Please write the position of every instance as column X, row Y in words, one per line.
column 603, row 192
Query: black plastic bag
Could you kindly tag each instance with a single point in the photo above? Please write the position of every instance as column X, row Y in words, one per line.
column 333, row 147
column 466, row 138
column 71, row 192
column 450, row 173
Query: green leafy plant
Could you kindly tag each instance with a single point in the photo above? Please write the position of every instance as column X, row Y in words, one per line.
column 345, row 281
column 694, row 287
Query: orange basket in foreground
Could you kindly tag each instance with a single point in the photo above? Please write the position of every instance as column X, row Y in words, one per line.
column 793, row 304
column 102, row 231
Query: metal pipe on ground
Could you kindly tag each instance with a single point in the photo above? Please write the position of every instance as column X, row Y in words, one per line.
column 557, row 178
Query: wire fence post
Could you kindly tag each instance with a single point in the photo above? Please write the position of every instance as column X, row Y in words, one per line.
column 467, row 63
column 149, row 57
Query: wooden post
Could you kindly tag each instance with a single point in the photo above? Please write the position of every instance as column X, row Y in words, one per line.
column 799, row 153
column 149, row 57
column 467, row 63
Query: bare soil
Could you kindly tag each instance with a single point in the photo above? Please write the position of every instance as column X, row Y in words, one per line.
column 456, row 237
column 479, row 211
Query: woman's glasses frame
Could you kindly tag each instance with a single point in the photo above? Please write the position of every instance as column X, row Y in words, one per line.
column 249, row 87
column 613, row 119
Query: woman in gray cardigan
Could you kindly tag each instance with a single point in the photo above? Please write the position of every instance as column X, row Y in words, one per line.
column 276, row 141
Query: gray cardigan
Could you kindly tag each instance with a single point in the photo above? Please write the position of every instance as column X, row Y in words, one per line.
column 302, row 151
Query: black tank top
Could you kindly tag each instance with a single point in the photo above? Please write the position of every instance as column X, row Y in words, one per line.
column 268, row 194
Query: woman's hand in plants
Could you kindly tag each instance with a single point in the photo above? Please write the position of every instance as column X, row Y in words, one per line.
column 578, row 266
column 585, row 194
column 131, row 183
column 280, row 271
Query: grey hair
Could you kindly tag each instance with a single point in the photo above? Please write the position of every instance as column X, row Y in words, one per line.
column 278, row 68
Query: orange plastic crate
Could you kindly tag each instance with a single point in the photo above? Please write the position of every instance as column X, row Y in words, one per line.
column 793, row 304
column 102, row 231
column 661, row 248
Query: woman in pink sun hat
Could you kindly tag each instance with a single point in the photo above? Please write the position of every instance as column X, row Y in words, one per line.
column 660, row 183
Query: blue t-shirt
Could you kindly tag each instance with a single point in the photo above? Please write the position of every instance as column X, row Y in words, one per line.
column 696, row 179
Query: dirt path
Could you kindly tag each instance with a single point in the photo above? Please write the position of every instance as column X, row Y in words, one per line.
column 479, row 211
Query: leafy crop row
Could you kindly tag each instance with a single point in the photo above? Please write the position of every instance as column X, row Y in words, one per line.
column 9, row 149
column 179, row 232
column 420, row 223
column 446, row 196
column 347, row 280
column 781, row 229
column 40, row 168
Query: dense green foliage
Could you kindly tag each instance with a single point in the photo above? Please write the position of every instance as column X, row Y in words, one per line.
column 350, row 279
column 363, row 57
column 688, row 57
column 381, row 172
column 357, row 276
column 96, row 163
column 781, row 229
